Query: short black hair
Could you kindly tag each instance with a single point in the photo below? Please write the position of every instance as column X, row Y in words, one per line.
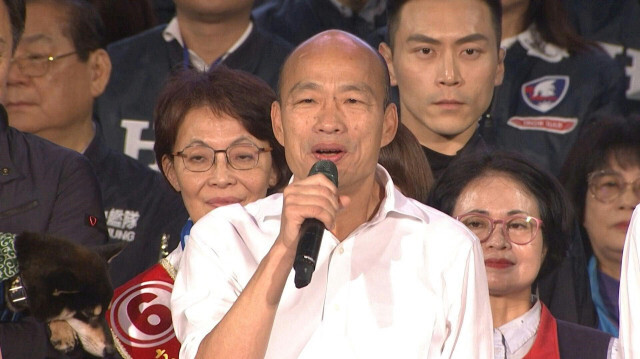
column 604, row 139
column 17, row 13
column 556, row 212
column 395, row 6
column 83, row 25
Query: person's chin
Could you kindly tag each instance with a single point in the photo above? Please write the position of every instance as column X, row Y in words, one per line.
column 450, row 123
column 21, row 123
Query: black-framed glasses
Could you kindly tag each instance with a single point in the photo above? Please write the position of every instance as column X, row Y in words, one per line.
column 606, row 185
column 518, row 229
column 37, row 65
column 242, row 156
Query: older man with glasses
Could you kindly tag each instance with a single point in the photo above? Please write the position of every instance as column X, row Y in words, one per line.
column 57, row 71
column 43, row 188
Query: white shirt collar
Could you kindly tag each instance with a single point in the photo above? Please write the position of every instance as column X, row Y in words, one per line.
column 532, row 41
column 172, row 32
column 372, row 9
column 519, row 334
column 393, row 201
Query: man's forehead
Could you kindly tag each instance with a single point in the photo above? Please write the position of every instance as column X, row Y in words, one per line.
column 5, row 25
column 333, row 57
column 447, row 18
column 45, row 23
column 346, row 86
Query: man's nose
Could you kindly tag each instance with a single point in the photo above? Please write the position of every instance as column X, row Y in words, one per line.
column 449, row 71
column 16, row 76
column 330, row 118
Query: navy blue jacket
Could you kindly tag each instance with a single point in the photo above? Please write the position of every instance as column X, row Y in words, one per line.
column 140, row 208
column 577, row 341
column 298, row 20
column 47, row 188
column 141, row 66
column 614, row 24
column 44, row 188
column 542, row 106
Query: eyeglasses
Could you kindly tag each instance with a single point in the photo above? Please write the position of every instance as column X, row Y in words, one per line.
column 37, row 65
column 606, row 186
column 518, row 229
column 199, row 158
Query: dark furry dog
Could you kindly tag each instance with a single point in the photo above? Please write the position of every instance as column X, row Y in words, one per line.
column 67, row 286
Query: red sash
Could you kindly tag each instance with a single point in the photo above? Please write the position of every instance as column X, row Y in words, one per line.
column 546, row 344
column 140, row 318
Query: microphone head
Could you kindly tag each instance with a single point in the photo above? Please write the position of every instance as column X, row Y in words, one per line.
column 327, row 168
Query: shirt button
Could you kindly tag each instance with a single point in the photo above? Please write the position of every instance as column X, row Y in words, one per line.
column 4, row 171
column 341, row 250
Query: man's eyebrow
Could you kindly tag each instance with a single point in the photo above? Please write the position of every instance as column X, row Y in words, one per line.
column 304, row 85
column 463, row 40
column 362, row 87
column 472, row 38
column 358, row 87
column 422, row 38
column 36, row 38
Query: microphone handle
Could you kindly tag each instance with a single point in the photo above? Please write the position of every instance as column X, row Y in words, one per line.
column 307, row 251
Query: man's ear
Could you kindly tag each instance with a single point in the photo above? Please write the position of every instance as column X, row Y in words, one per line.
column 100, row 67
column 170, row 172
column 387, row 54
column 500, row 70
column 276, row 121
column 389, row 124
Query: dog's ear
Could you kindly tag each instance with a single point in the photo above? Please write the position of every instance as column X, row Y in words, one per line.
column 110, row 250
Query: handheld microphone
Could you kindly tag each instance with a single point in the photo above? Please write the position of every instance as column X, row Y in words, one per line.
column 311, row 232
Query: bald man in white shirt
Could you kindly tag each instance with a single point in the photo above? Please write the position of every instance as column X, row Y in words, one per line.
column 394, row 278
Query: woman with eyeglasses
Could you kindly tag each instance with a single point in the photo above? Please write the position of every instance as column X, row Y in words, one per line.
column 215, row 145
column 523, row 220
column 602, row 176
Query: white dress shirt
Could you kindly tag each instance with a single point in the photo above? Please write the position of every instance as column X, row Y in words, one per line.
column 630, row 290
column 410, row 283
column 172, row 32
column 514, row 339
